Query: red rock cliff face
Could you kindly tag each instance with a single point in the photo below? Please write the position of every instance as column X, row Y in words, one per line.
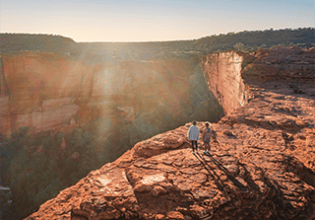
column 46, row 91
column 223, row 74
column 40, row 93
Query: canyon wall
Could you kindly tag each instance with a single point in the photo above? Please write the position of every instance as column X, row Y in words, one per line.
column 46, row 91
column 41, row 88
column 223, row 76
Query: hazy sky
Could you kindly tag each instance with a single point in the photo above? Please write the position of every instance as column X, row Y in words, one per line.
column 151, row 20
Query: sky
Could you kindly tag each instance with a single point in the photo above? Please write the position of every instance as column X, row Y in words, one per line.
column 151, row 20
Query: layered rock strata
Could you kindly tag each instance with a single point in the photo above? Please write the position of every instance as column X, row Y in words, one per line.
column 46, row 91
column 40, row 95
column 223, row 76
column 261, row 163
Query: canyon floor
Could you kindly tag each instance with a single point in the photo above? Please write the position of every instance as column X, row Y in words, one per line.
column 261, row 163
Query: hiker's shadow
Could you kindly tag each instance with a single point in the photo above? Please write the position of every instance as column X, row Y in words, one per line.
column 219, row 183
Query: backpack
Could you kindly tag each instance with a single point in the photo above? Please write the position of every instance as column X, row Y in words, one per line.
column 207, row 136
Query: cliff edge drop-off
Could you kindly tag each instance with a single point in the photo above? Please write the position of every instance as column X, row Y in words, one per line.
column 62, row 117
column 261, row 163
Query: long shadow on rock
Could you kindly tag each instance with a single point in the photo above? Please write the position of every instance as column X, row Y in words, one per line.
column 306, row 174
column 216, row 178
column 254, row 204
column 249, row 180
column 219, row 165
column 283, row 208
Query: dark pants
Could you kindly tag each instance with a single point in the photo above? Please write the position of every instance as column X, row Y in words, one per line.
column 194, row 143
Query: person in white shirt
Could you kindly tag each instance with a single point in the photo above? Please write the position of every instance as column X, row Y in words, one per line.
column 193, row 135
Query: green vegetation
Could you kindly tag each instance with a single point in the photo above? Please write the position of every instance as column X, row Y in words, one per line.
column 253, row 40
column 243, row 41
column 35, row 42
column 23, row 157
column 246, row 41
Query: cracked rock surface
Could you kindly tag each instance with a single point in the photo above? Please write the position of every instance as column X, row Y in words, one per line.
column 261, row 163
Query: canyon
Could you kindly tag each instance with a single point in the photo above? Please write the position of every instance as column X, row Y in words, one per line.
column 62, row 116
column 261, row 162
column 47, row 91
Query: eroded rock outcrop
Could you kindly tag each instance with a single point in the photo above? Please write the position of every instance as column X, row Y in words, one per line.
column 261, row 164
column 223, row 75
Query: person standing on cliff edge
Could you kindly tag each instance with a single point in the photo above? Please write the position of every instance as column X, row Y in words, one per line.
column 206, row 138
column 193, row 135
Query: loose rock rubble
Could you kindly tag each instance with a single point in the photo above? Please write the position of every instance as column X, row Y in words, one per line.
column 261, row 163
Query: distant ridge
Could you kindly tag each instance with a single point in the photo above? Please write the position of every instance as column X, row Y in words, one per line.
column 35, row 42
column 253, row 40
column 244, row 41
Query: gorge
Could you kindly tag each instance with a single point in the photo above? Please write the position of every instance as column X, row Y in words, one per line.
column 261, row 164
column 63, row 116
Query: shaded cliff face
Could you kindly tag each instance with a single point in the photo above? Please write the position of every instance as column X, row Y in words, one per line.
column 261, row 163
column 65, row 117
column 46, row 91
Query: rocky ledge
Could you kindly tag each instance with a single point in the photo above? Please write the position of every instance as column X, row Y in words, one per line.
column 261, row 164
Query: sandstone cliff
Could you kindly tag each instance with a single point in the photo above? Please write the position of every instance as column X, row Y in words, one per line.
column 40, row 96
column 224, row 79
column 46, row 91
column 261, row 164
